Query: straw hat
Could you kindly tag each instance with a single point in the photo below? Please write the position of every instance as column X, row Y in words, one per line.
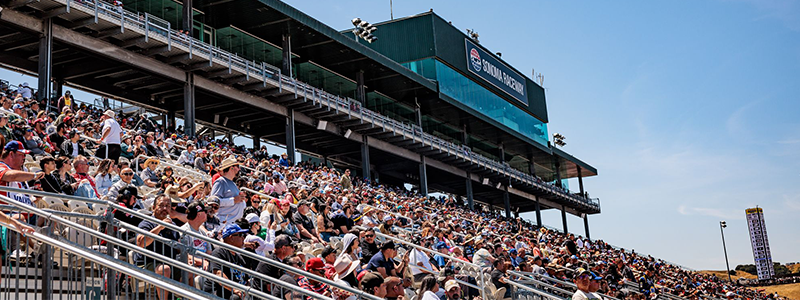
column 344, row 266
column 151, row 160
column 229, row 162
column 109, row 113
column 172, row 192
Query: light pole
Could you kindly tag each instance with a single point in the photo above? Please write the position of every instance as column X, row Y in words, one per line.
column 722, row 225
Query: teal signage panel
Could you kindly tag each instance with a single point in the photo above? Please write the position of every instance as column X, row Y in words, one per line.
column 495, row 72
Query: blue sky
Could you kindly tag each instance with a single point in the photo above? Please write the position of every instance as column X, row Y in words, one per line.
column 688, row 109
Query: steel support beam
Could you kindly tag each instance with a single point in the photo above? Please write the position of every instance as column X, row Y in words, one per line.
column 45, row 60
column 256, row 142
column 189, row 105
column 365, row 158
column 290, row 142
column 564, row 218
column 286, row 62
column 423, row 176
column 170, row 120
column 361, row 92
column 187, row 17
column 538, row 212
column 470, row 196
column 506, row 201
column 580, row 180
column 586, row 225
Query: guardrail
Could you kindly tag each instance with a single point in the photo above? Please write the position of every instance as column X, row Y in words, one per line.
column 175, row 244
column 159, row 29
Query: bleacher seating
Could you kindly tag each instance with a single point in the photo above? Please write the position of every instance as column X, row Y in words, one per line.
column 80, row 250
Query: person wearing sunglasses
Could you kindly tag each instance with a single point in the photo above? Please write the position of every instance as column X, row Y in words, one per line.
column 125, row 180
column 583, row 281
column 368, row 246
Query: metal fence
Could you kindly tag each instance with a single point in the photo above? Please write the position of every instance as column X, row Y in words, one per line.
column 80, row 254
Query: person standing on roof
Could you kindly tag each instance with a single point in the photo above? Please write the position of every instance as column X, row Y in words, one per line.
column 232, row 203
column 111, row 138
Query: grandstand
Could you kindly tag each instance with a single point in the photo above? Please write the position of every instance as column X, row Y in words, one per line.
column 185, row 214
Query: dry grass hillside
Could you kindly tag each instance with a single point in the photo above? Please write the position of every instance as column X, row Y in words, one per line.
column 792, row 291
column 723, row 275
column 794, row 268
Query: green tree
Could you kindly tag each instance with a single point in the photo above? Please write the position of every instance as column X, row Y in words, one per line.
column 747, row 269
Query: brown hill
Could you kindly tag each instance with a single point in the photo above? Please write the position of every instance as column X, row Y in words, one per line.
column 791, row 291
column 795, row 268
column 724, row 276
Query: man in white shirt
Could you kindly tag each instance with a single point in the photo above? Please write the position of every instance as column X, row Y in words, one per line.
column 187, row 156
column 112, row 136
column 583, row 281
column 420, row 263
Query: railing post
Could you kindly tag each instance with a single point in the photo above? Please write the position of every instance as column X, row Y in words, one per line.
column 47, row 265
column 169, row 36
column 111, row 279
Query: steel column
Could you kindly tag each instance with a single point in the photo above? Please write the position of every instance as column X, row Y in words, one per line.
column 170, row 120
column 286, row 46
column 506, row 201
column 45, row 60
column 538, row 212
column 361, row 92
column 290, row 145
column 580, row 180
column 189, row 106
column 188, row 18
column 470, row 197
column 564, row 218
column 365, row 158
column 558, row 173
column 256, row 142
column 423, row 176
column 586, row 225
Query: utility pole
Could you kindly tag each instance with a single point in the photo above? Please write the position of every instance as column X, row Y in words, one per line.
column 722, row 224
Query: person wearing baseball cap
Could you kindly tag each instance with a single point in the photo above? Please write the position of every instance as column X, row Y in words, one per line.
column 583, row 280
column 315, row 266
column 452, row 290
column 232, row 235
column 373, row 284
column 11, row 175
column 195, row 215
column 111, row 137
column 305, row 225
column 283, row 250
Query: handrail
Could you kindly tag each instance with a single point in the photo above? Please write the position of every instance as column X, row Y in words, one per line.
column 535, row 291
column 90, row 254
column 214, row 259
column 454, row 260
column 196, row 236
column 343, row 104
column 115, row 264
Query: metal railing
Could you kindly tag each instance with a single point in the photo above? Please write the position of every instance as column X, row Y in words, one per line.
column 158, row 29
column 123, row 246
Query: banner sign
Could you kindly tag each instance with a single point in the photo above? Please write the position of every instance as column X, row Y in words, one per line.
column 495, row 72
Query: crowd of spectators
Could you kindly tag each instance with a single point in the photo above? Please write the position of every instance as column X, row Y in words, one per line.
column 312, row 217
